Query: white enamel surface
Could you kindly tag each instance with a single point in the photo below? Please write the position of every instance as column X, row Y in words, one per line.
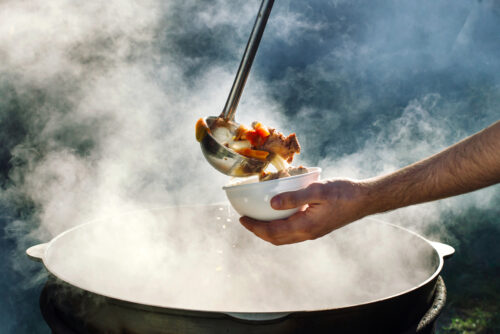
column 37, row 252
column 254, row 199
column 444, row 250
column 156, row 258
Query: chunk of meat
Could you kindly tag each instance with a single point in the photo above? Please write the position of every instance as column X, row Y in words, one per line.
column 277, row 143
column 290, row 171
column 220, row 122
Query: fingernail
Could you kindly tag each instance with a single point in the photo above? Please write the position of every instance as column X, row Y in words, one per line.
column 276, row 202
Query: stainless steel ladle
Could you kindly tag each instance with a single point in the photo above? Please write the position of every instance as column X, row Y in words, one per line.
column 220, row 157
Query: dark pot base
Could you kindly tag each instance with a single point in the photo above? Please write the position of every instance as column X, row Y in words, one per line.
column 68, row 310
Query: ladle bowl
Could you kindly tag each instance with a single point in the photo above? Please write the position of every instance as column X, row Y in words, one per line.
column 226, row 160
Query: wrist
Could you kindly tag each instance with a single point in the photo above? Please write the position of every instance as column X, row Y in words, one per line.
column 370, row 199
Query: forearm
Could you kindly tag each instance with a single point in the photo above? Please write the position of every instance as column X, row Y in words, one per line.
column 471, row 164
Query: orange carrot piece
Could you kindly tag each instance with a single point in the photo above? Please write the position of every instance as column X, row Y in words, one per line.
column 201, row 129
column 257, row 154
column 262, row 130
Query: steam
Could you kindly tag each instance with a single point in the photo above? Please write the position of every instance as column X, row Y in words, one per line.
column 222, row 267
column 98, row 100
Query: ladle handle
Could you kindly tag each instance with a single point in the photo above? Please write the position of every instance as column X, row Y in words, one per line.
column 247, row 60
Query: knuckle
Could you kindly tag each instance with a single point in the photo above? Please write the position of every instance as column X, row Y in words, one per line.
column 316, row 190
column 290, row 200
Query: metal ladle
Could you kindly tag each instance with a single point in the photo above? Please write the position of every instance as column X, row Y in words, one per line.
column 220, row 157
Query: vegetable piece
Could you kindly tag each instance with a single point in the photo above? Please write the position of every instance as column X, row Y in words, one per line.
column 241, row 133
column 257, row 154
column 256, row 136
column 222, row 134
column 239, row 145
column 262, row 130
column 201, row 129
column 279, row 163
column 253, row 137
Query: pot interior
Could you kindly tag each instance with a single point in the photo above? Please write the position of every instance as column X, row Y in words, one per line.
column 201, row 258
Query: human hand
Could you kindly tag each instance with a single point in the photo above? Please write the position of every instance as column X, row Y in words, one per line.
column 471, row 164
column 329, row 205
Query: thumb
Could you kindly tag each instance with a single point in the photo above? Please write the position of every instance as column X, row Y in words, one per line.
column 298, row 198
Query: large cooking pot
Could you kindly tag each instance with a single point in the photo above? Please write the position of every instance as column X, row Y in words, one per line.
column 195, row 269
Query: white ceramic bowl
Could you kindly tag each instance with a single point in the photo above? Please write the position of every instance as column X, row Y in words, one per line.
column 253, row 199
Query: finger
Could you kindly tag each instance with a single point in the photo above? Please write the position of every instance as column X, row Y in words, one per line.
column 313, row 193
column 294, row 229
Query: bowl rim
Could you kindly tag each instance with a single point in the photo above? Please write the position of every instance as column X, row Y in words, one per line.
column 312, row 170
